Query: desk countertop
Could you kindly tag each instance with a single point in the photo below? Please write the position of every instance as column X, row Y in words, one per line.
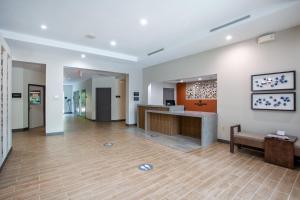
column 185, row 113
column 147, row 105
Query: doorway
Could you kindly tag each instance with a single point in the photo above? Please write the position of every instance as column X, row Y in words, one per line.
column 83, row 103
column 76, row 98
column 103, row 104
column 168, row 94
column 36, row 106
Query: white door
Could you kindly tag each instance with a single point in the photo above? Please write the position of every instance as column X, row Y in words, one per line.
column 36, row 106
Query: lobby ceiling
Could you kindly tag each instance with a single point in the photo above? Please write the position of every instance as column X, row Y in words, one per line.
column 130, row 30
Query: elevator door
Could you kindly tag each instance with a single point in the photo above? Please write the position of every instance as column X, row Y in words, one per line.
column 103, row 104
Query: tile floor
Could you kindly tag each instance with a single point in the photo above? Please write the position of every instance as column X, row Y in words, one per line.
column 77, row 166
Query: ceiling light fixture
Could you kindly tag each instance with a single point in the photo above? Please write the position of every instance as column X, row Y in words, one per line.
column 83, row 55
column 44, row 27
column 113, row 43
column 144, row 22
column 228, row 37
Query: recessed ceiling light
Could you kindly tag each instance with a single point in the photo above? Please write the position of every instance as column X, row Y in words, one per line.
column 44, row 27
column 83, row 56
column 228, row 37
column 113, row 43
column 143, row 22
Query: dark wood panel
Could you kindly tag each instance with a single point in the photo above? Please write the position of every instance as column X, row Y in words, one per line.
column 142, row 110
column 166, row 124
column 190, row 126
column 279, row 152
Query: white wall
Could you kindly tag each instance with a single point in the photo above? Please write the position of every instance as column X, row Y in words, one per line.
column 17, row 103
column 117, row 88
column 22, row 77
column 155, row 92
column 234, row 66
column 68, row 92
column 114, row 84
column 56, row 59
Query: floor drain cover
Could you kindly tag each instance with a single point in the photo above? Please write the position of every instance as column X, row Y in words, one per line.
column 154, row 135
column 145, row 167
column 108, row 144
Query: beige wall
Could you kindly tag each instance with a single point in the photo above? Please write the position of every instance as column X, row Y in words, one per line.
column 234, row 66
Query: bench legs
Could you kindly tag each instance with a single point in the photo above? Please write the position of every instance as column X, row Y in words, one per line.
column 232, row 137
column 231, row 147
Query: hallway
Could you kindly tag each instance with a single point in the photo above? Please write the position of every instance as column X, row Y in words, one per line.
column 77, row 166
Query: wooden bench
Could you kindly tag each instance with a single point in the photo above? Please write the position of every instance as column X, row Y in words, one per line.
column 255, row 140
column 239, row 138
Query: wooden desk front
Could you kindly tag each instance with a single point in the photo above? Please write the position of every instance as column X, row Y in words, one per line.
column 193, row 124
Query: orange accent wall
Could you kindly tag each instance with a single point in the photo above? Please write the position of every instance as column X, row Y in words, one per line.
column 190, row 104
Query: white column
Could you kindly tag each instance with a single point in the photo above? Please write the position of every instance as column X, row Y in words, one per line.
column 54, row 99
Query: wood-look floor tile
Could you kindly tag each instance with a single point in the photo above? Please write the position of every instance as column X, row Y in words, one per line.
column 78, row 166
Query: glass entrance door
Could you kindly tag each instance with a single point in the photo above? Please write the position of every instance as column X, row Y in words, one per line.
column 83, row 103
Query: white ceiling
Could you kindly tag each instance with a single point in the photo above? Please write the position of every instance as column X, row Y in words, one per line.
column 193, row 79
column 180, row 27
column 31, row 66
column 75, row 75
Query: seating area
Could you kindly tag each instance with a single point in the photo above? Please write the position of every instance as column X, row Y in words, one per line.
column 252, row 140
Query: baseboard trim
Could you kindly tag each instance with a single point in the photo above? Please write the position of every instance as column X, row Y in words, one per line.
column 224, row 141
column 131, row 124
column 54, row 133
column 118, row 120
column 9, row 152
column 20, row 130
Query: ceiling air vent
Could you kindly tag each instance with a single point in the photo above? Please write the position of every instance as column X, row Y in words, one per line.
column 155, row 52
column 266, row 38
column 230, row 23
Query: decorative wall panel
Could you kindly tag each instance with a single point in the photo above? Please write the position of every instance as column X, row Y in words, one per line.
column 274, row 101
column 201, row 90
column 274, row 81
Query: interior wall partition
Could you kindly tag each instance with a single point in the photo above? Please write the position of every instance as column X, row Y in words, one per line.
column 5, row 101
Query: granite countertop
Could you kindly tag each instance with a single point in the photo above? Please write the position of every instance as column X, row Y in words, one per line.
column 185, row 113
column 147, row 105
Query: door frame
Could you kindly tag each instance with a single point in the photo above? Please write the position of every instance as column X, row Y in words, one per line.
column 44, row 103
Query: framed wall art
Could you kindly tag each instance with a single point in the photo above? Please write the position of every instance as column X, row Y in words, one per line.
column 274, row 101
column 274, row 81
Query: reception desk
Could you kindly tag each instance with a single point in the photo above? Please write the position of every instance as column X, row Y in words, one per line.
column 200, row 125
column 141, row 111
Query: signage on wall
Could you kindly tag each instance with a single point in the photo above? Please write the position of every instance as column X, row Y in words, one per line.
column 16, row 95
column 35, row 97
column 136, row 96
